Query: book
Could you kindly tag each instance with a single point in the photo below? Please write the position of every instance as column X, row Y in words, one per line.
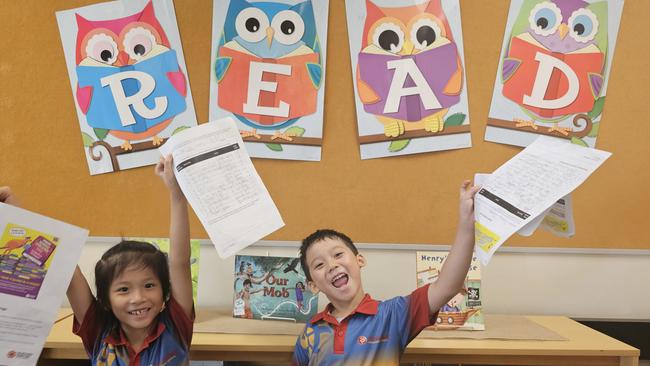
column 272, row 288
column 463, row 311
column 297, row 89
column 585, row 63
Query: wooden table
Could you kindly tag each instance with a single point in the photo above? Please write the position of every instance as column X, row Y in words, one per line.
column 584, row 346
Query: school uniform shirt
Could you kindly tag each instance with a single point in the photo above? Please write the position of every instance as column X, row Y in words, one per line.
column 375, row 334
column 168, row 343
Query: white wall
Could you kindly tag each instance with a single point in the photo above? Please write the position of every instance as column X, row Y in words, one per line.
column 581, row 283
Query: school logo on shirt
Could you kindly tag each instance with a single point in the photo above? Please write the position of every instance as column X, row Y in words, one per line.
column 371, row 340
column 362, row 340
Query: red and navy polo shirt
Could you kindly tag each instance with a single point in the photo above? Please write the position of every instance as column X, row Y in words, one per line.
column 376, row 332
column 167, row 344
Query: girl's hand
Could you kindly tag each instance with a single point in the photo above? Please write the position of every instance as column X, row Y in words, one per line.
column 165, row 170
column 6, row 196
column 466, row 211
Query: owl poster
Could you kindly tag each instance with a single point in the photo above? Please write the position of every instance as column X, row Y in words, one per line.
column 553, row 70
column 409, row 76
column 268, row 74
column 129, row 80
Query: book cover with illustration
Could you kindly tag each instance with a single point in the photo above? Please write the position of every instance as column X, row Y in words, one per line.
column 25, row 256
column 272, row 288
column 463, row 311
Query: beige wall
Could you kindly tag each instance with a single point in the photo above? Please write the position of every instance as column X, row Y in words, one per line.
column 579, row 283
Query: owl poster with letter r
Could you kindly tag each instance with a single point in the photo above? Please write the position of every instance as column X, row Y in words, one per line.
column 409, row 76
column 553, row 70
column 268, row 74
column 129, row 80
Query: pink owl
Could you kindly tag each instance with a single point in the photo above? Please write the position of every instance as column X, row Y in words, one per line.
column 129, row 82
column 409, row 71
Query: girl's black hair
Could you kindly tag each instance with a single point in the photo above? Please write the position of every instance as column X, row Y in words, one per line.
column 127, row 253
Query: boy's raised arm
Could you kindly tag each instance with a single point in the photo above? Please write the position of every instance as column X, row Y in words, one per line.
column 79, row 295
column 454, row 271
column 179, row 235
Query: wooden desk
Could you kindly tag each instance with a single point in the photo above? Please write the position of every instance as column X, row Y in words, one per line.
column 584, row 346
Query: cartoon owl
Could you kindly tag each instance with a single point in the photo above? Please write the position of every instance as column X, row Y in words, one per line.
column 129, row 82
column 268, row 65
column 555, row 60
column 409, row 71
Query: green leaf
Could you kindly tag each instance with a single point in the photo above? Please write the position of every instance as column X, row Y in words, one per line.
column 594, row 130
column 88, row 141
column 295, row 131
column 100, row 133
column 398, row 145
column 597, row 109
column 274, row 147
column 179, row 129
column 579, row 141
column 455, row 119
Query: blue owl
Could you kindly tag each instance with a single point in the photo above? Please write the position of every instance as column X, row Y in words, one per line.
column 268, row 64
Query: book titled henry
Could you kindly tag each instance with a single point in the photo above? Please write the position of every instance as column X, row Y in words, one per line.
column 463, row 311
column 272, row 288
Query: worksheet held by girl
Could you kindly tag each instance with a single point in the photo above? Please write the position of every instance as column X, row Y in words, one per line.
column 37, row 257
column 220, row 182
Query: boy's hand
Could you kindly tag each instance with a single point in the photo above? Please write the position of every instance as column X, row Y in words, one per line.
column 6, row 196
column 467, row 193
column 165, row 170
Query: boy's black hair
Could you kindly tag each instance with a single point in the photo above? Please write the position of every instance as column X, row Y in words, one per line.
column 317, row 236
column 248, row 282
column 113, row 263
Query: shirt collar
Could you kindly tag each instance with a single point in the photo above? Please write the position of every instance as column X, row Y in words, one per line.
column 367, row 306
column 121, row 339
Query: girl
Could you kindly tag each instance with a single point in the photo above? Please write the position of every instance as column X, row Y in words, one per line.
column 143, row 313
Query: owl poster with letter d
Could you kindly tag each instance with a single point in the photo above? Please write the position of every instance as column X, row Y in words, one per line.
column 409, row 76
column 553, row 70
column 268, row 73
column 128, row 79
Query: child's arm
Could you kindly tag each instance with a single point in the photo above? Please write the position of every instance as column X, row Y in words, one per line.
column 179, row 235
column 79, row 295
column 453, row 273
column 6, row 196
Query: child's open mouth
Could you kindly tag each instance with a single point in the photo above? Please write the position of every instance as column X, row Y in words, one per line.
column 139, row 312
column 340, row 280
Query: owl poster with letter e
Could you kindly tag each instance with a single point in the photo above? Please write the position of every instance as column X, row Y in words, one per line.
column 553, row 70
column 128, row 78
column 268, row 74
column 409, row 76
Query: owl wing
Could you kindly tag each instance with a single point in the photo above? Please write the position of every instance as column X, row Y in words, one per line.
column 84, row 95
column 510, row 65
column 177, row 78
column 596, row 83
column 366, row 93
column 455, row 83
column 315, row 72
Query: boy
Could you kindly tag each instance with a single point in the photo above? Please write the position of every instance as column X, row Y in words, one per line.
column 357, row 330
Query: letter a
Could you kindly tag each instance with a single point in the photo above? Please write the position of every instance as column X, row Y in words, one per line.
column 403, row 68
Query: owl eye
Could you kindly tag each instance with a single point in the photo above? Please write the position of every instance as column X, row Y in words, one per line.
column 251, row 24
column 545, row 18
column 288, row 26
column 583, row 25
column 389, row 36
column 424, row 32
column 102, row 48
column 138, row 42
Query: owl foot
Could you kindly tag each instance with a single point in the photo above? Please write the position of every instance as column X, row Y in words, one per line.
column 524, row 123
column 126, row 146
column 282, row 136
column 434, row 123
column 394, row 128
column 157, row 141
column 252, row 133
column 564, row 131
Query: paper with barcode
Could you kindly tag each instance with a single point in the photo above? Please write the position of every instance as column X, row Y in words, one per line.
column 528, row 185
column 221, row 184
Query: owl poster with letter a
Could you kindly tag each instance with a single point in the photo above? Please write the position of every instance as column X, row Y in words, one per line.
column 268, row 74
column 128, row 79
column 553, row 70
column 409, row 76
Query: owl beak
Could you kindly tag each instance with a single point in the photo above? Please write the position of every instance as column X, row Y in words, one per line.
column 563, row 29
column 407, row 48
column 269, row 35
column 122, row 59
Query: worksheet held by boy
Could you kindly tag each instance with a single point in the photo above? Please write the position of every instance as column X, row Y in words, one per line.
column 220, row 182
column 526, row 186
column 37, row 257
